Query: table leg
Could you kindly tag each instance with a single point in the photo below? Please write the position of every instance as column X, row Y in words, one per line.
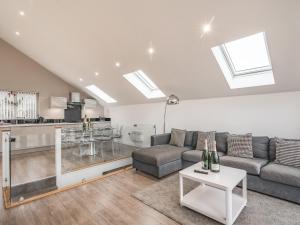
column 113, row 148
column 228, row 207
column 180, row 188
column 245, row 188
column 101, row 149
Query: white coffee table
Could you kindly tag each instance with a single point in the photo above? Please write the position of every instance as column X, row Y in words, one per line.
column 213, row 197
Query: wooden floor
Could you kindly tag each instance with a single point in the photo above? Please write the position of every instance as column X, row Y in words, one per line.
column 104, row 202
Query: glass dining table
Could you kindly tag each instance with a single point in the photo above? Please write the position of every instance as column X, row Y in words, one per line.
column 87, row 138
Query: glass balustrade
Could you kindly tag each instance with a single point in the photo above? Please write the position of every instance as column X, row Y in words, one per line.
column 84, row 148
column 41, row 158
column 31, row 161
column 138, row 135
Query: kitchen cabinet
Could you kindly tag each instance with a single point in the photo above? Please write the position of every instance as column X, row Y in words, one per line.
column 58, row 102
column 90, row 103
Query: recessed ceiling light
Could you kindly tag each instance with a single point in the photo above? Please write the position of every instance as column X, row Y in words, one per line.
column 96, row 74
column 21, row 13
column 117, row 64
column 206, row 28
column 80, row 79
column 17, row 33
column 151, row 51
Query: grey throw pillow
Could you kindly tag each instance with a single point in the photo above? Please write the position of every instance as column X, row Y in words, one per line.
column 177, row 137
column 287, row 152
column 209, row 136
column 240, row 145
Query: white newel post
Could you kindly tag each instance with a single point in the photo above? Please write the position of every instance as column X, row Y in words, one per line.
column 5, row 159
column 58, row 156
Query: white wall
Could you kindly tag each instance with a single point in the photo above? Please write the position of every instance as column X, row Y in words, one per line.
column 271, row 114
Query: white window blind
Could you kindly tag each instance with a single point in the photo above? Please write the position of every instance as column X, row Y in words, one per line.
column 18, row 105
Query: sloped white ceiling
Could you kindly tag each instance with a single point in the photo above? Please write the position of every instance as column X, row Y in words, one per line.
column 74, row 39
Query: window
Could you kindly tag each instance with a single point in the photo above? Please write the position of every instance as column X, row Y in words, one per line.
column 144, row 84
column 18, row 105
column 100, row 94
column 245, row 62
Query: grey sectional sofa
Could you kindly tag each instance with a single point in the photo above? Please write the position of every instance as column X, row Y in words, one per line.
column 264, row 175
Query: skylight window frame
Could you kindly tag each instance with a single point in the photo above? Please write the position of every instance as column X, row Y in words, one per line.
column 144, row 84
column 146, row 81
column 251, row 78
column 256, row 70
column 100, row 94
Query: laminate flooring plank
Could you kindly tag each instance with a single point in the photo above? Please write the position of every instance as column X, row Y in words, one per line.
column 107, row 201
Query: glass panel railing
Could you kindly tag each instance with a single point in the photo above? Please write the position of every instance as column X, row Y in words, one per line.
column 42, row 158
column 5, row 165
column 32, row 161
column 101, row 143
column 137, row 135
column 85, row 148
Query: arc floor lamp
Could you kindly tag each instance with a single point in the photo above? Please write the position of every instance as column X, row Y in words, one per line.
column 171, row 100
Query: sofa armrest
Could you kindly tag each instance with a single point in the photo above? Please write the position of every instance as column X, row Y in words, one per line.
column 160, row 139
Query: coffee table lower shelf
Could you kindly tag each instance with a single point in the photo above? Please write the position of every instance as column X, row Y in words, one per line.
column 211, row 202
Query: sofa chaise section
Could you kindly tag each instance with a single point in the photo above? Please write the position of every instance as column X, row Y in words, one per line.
column 159, row 160
column 159, row 154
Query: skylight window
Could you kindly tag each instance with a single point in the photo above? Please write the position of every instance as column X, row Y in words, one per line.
column 144, row 84
column 100, row 94
column 245, row 62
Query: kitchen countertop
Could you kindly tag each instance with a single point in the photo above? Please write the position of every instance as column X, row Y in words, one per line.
column 43, row 124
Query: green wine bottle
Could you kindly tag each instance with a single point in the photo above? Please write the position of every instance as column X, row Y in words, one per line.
column 205, row 157
column 209, row 160
column 214, row 160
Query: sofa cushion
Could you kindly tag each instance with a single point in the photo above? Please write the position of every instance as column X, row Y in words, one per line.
column 281, row 174
column 272, row 147
column 189, row 138
column 209, row 136
column 159, row 154
column 160, row 139
column 221, row 139
column 195, row 138
column 288, row 153
column 195, row 155
column 192, row 155
column 177, row 137
column 260, row 146
column 240, row 145
column 252, row 166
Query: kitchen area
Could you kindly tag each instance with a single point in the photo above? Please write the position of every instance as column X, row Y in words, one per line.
column 73, row 146
column 31, row 163
column 20, row 113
